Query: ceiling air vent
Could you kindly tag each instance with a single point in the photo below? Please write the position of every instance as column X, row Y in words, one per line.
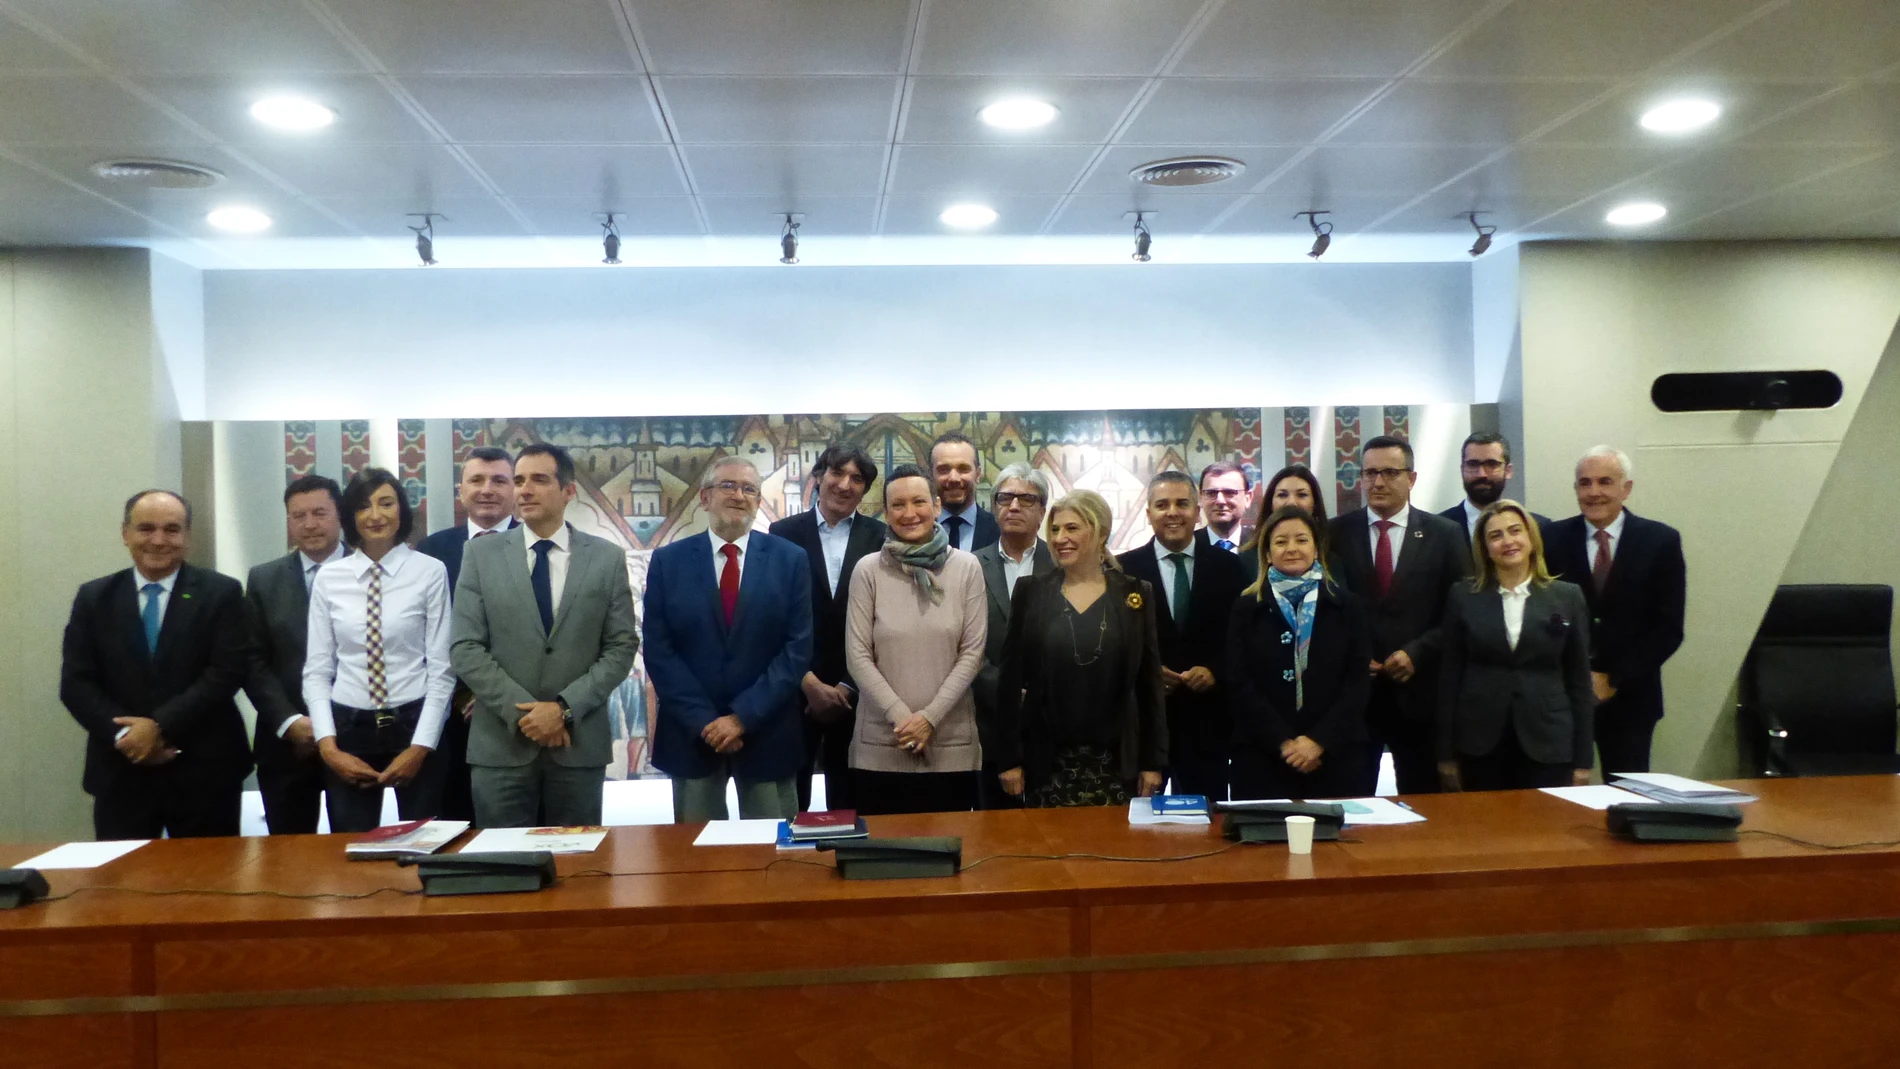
column 1187, row 171
column 158, row 174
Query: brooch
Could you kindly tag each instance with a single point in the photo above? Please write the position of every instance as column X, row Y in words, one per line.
column 1134, row 601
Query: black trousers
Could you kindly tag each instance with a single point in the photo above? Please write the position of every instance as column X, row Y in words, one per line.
column 828, row 748
column 1623, row 737
column 1509, row 768
column 1414, row 746
column 168, row 800
column 990, row 793
column 376, row 737
column 1258, row 773
column 1197, row 765
column 884, row 793
column 292, row 793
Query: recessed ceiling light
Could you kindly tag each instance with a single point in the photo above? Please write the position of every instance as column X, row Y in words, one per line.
column 292, row 113
column 968, row 216
column 1680, row 116
column 1638, row 213
column 1019, row 113
column 239, row 220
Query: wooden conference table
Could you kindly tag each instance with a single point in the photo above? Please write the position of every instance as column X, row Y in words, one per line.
column 1509, row 929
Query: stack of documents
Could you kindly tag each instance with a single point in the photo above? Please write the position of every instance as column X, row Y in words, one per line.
column 582, row 840
column 1678, row 790
column 1142, row 814
column 413, row 838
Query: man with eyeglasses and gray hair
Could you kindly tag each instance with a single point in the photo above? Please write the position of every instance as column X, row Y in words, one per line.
column 1484, row 463
column 1021, row 496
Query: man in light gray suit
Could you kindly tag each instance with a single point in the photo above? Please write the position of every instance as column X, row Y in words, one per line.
column 1022, row 494
column 544, row 632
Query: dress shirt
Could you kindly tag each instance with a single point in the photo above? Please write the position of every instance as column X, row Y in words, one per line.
column 968, row 516
column 415, row 640
column 311, row 564
column 1616, row 536
column 1472, row 512
column 165, row 585
column 834, row 539
column 719, row 555
column 1215, row 538
column 557, row 562
column 476, row 530
column 1162, row 553
column 1014, row 569
column 1515, row 598
column 1396, row 535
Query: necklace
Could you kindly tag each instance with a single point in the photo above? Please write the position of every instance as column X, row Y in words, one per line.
column 1075, row 645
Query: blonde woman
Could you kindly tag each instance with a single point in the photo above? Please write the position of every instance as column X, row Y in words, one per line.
column 1080, row 717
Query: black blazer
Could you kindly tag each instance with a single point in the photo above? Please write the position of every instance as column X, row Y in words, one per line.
column 1261, row 691
column 1020, row 734
column 828, row 611
column 278, row 610
column 1200, row 640
column 188, row 685
column 987, row 532
column 1542, row 688
column 1436, row 555
column 994, row 582
column 1636, row 623
column 447, row 544
column 1456, row 514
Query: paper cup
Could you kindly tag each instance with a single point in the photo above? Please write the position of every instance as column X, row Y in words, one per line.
column 1299, row 834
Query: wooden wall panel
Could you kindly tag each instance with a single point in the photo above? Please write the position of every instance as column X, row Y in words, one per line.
column 105, row 1041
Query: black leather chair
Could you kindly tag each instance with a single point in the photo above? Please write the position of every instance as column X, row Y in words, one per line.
column 1817, row 690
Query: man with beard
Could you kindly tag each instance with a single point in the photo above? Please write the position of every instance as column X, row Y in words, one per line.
column 834, row 538
column 1485, row 464
column 1227, row 501
column 957, row 467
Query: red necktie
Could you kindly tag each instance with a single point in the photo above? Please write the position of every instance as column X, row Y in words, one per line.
column 1600, row 568
column 729, row 581
column 1382, row 558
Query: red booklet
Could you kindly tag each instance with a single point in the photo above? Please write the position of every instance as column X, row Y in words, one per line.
column 831, row 820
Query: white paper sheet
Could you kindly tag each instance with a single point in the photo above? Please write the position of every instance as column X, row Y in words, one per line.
column 82, row 855
column 1141, row 814
column 1679, row 784
column 1369, row 812
column 1596, row 796
column 761, row 832
column 554, row 840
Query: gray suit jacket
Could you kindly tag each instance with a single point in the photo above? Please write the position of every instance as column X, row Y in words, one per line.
column 1541, row 688
column 500, row 652
column 991, row 557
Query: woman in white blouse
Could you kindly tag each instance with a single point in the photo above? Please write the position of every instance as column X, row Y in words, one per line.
column 376, row 676
column 1514, row 697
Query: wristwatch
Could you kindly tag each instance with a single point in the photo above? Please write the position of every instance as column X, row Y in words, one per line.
column 567, row 714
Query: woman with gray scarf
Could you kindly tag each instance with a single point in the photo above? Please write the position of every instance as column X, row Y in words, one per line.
column 914, row 639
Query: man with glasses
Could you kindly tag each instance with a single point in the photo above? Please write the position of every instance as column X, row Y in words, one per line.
column 1021, row 496
column 1485, row 466
column 1400, row 561
column 728, row 642
column 1226, row 500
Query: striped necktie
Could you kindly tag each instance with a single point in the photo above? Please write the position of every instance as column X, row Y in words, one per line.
column 373, row 638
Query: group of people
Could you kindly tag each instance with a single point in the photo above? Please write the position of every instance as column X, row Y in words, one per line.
column 947, row 657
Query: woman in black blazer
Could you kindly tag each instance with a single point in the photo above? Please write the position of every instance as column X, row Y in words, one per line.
column 1080, row 718
column 1297, row 649
column 1514, row 697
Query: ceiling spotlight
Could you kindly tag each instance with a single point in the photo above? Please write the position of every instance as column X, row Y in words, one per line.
column 239, row 220
column 1143, row 239
column 1639, row 213
column 1680, row 116
column 788, row 241
column 1322, row 231
column 610, row 240
column 1485, row 230
column 292, row 113
column 968, row 216
column 425, row 238
column 1019, row 113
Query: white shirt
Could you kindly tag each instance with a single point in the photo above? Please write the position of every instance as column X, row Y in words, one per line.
column 164, row 595
column 1472, row 512
column 967, row 534
column 1014, row 569
column 719, row 556
column 557, row 562
column 1395, row 534
column 1162, row 553
column 475, row 530
column 311, row 564
column 1616, row 536
column 1515, row 598
column 834, row 539
column 415, row 634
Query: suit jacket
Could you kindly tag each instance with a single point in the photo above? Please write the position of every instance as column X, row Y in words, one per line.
column 987, row 531
column 1456, row 514
column 702, row 670
column 447, row 544
column 997, row 586
column 1636, row 622
column 279, row 613
column 1542, row 688
column 1261, row 690
column 1436, row 555
column 1020, row 732
column 500, row 652
column 1200, row 640
column 828, row 610
column 187, row 685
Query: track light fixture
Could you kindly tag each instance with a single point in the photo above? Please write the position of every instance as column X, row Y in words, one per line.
column 1143, row 239
column 1322, row 230
column 788, row 241
column 425, row 238
column 610, row 240
column 1485, row 230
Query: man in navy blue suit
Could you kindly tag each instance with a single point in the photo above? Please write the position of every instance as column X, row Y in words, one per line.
column 957, row 466
column 728, row 640
column 1484, row 463
column 1635, row 581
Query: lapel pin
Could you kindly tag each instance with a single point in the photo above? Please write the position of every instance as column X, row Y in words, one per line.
column 187, row 597
column 1418, row 533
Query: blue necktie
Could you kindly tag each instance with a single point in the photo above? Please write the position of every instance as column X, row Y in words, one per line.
column 954, row 528
column 543, row 586
column 1224, row 543
column 152, row 591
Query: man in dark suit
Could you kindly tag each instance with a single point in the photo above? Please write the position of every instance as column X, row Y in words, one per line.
column 1019, row 501
column 152, row 661
column 957, row 467
column 1484, row 463
column 487, row 493
column 1227, row 500
column 1636, row 582
column 834, row 538
column 728, row 638
column 277, row 594
column 1400, row 561
column 1198, row 582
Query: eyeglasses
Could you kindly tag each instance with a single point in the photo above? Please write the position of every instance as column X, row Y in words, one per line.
column 1222, row 493
column 1005, row 499
column 1489, row 467
column 728, row 486
column 1373, row 475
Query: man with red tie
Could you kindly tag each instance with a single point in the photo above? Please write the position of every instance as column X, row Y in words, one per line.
column 1636, row 583
column 1400, row 561
column 728, row 639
